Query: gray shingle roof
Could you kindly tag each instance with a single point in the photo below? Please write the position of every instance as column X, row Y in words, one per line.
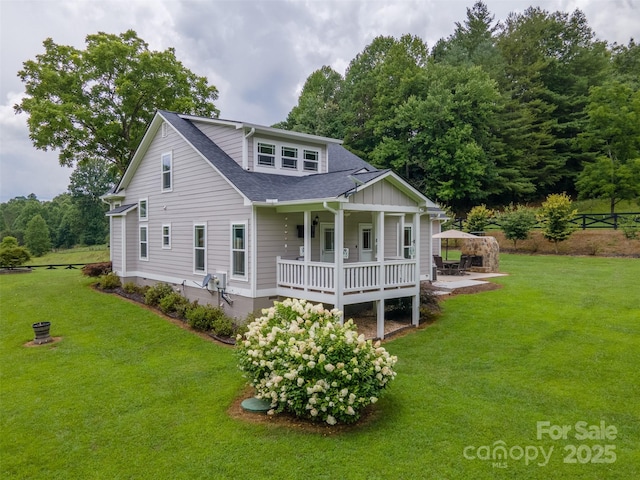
column 259, row 187
column 122, row 209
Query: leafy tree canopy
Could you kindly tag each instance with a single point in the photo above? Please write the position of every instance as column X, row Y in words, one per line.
column 96, row 103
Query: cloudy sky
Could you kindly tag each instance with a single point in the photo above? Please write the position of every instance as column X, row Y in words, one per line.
column 258, row 53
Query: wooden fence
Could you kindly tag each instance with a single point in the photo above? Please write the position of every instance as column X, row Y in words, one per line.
column 583, row 221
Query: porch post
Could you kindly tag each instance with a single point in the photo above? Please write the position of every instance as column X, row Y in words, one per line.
column 339, row 260
column 307, row 247
column 381, row 274
column 416, row 244
column 380, row 316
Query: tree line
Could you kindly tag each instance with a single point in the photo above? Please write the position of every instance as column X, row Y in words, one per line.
column 496, row 113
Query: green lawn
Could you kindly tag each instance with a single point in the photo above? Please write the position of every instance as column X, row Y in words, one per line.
column 126, row 394
column 95, row 253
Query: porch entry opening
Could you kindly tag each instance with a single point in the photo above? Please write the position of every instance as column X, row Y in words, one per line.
column 327, row 242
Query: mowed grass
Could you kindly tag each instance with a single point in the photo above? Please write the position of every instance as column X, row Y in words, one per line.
column 126, row 394
column 92, row 254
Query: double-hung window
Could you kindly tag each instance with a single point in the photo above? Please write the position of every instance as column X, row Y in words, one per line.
column 239, row 250
column 310, row 162
column 266, row 154
column 167, row 171
column 290, row 157
column 199, row 248
column 144, row 243
column 166, row 236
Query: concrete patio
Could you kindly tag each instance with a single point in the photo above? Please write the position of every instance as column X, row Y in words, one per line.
column 449, row 283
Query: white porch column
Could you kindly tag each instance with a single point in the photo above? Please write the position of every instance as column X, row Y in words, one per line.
column 380, row 316
column 307, row 246
column 339, row 260
column 415, row 317
column 379, row 230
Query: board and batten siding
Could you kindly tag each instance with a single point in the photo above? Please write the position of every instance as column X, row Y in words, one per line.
column 199, row 195
column 382, row 193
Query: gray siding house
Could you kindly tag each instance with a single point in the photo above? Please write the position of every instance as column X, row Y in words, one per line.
column 239, row 215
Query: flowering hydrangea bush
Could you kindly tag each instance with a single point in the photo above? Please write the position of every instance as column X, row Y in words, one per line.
column 299, row 357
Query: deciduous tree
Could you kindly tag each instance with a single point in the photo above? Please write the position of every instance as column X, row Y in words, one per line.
column 95, row 104
column 555, row 216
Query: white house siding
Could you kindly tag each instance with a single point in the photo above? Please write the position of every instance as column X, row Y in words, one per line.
column 199, row 195
column 115, row 243
column 277, row 235
column 227, row 138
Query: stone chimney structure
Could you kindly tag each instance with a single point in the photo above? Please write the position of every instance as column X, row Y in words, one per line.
column 485, row 247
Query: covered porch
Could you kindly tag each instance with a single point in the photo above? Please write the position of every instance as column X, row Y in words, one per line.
column 353, row 253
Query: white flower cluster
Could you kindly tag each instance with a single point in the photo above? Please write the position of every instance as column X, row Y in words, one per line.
column 299, row 357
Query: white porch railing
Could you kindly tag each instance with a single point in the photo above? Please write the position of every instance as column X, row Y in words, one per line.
column 357, row 277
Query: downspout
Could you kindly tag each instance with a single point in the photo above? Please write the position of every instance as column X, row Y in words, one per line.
column 245, row 148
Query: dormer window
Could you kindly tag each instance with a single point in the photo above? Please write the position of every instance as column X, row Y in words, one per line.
column 289, row 157
column 266, row 154
column 285, row 158
column 310, row 161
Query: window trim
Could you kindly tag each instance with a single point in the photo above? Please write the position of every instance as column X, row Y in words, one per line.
column 163, row 172
column 196, row 248
column 233, row 250
column 167, row 236
column 306, row 161
column 299, row 165
column 144, row 242
column 408, row 251
column 266, row 155
column 144, row 201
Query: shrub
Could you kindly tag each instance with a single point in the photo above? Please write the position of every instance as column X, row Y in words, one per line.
column 298, row 357
column 516, row 223
column 555, row 217
column 131, row 288
column 630, row 227
column 478, row 219
column 156, row 293
column 173, row 302
column 202, row 317
column 11, row 254
column 96, row 269
column 110, row 281
column 222, row 326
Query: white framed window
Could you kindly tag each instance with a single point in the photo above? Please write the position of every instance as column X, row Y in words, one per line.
column 239, row 250
column 199, row 248
column 166, row 236
column 143, row 209
column 166, row 161
column 144, row 243
column 285, row 157
column 310, row 160
column 266, row 154
column 289, row 157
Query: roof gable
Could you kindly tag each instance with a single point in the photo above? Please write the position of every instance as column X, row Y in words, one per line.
column 346, row 170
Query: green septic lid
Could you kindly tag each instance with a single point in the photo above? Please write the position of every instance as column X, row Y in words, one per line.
column 257, row 405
